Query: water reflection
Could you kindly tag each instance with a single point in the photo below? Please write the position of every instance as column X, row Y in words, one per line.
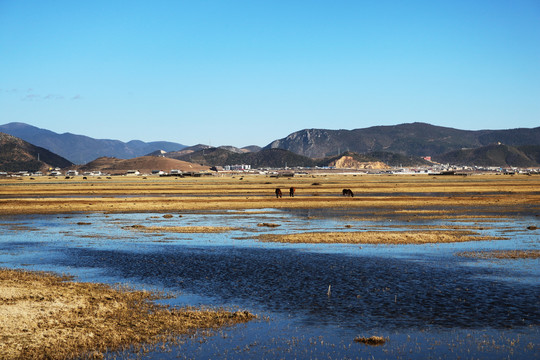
column 366, row 292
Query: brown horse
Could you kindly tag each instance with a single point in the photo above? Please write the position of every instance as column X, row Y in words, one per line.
column 278, row 193
column 292, row 191
column 347, row 192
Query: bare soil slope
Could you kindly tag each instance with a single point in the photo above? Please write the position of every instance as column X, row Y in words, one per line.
column 145, row 164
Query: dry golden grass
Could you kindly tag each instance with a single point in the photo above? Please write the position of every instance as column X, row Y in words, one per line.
column 180, row 229
column 43, row 316
column 501, row 254
column 372, row 340
column 395, row 193
column 375, row 237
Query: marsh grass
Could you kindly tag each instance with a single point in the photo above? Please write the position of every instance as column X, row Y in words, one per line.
column 45, row 316
column 180, row 229
column 377, row 237
column 372, row 340
column 416, row 195
column 271, row 225
column 501, row 254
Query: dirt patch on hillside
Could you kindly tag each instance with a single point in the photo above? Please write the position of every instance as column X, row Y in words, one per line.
column 348, row 162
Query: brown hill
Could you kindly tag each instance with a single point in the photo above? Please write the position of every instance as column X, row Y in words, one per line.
column 19, row 155
column 145, row 164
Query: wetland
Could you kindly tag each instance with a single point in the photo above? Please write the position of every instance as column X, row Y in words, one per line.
column 411, row 267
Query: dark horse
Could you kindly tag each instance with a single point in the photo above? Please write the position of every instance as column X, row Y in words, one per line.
column 347, row 192
column 291, row 192
column 278, row 193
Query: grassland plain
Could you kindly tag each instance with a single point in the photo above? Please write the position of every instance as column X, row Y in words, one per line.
column 419, row 195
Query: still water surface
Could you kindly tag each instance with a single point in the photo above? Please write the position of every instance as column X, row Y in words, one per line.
column 428, row 302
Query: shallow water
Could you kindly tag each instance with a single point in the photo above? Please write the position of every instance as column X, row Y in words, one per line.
column 424, row 299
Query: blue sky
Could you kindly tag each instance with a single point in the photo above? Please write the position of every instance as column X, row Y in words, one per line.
column 249, row 72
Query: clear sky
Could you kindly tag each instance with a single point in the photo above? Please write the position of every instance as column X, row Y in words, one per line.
column 227, row 72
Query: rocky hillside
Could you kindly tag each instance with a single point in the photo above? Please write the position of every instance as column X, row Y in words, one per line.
column 279, row 158
column 271, row 158
column 19, row 155
column 81, row 149
column 416, row 139
column 494, row 155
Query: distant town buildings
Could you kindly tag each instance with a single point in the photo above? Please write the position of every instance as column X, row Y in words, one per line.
column 237, row 167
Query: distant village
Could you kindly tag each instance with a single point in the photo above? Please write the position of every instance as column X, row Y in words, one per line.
column 436, row 169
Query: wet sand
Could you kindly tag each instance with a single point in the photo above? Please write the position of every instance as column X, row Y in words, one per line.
column 45, row 316
column 395, row 193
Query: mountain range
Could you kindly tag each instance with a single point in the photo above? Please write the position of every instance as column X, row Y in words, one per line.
column 416, row 139
column 280, row 158
column 81, row 149
column 399, row 145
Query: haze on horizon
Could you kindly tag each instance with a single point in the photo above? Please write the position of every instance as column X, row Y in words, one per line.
column 244, row 72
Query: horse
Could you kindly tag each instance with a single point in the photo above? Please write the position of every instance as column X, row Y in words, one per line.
column 347, row 192
column 291, row 192
column 278, row 193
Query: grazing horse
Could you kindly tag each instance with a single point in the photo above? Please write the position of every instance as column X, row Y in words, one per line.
column 291, row 192
column 347, row 192
column 278, row 193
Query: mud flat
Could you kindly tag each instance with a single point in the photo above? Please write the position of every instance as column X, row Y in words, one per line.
column 44, row 316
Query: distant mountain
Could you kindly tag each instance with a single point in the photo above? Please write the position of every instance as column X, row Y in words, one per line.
column 187, row 150
column 279, row 158
column 252, row 148
column 494, row 155
column 19, row 155
column 416, row 139
column 81, row 149
column 264, row 158
column 233, row 149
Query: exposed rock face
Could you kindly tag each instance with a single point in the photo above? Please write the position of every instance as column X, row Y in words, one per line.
column 347, row 162
column 313, row 143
